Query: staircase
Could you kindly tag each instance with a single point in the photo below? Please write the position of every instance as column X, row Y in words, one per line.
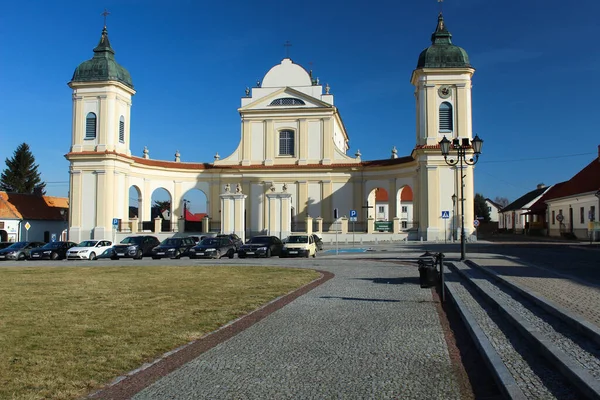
column 534, row 349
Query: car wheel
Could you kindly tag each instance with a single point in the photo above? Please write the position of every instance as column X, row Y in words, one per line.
column 139, row 255
column 93, row 256
column 21, row 257
column 268, row 255
column 54, row 256
column 177, row 254
column 307, row 254
column 231, row 253
column 315, row 254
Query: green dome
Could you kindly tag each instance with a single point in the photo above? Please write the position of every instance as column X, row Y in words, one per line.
column 102, row 67
column 442, row 53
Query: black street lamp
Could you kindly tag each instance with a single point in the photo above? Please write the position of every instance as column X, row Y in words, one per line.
column 453, row 217
column 461, row 146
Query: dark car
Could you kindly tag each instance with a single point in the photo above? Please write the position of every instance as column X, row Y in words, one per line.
column 318, row 241
column 216, row 247
column 135, row 247
column 234, row 238
column 51, row 251
column 261, row 246
column 19, row 250
column 173, row 247
column 4, row 245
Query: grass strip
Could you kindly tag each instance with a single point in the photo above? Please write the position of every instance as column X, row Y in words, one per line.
column 66, row 331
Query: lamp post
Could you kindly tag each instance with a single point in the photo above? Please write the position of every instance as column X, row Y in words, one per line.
column 461, row 146
column 453, row 217
column 185, row 203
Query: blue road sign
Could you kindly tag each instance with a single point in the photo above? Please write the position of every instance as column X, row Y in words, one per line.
column 353, row 214
column 445, row 214
column 115, row 221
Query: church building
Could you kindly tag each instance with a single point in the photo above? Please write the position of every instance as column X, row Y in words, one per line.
column 291, row 169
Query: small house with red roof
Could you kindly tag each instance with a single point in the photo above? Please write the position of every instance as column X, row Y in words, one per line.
column 572, row 209
column 45, row 216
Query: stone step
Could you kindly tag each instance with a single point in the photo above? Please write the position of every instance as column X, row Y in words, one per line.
column 520, row 371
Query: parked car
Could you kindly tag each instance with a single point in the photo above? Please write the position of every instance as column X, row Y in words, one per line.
column 4, row 245
column 88, row 249
column 51, row 251
column 234, row 238
column 216, row 247
column 135, row 247
column 318, row 241
column 19, row 250
column 299, row 245
column 174, row 247
column 261, row 246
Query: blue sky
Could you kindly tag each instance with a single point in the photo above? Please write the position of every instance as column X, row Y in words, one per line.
column 534, row 89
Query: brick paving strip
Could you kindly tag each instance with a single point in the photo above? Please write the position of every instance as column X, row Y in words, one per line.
column 127, row 386
column 570, row 293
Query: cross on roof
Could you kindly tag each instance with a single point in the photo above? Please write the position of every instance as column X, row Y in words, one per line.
column 287, row 46
column 105, row 14
column 441, row 3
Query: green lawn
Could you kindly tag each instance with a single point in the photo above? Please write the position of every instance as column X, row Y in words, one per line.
column 66, row 331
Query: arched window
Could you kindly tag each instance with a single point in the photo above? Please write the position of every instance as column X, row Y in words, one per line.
column 446, row 117
column 90, row 126
column 122, row 129
column 287, row 101
column 286, row 143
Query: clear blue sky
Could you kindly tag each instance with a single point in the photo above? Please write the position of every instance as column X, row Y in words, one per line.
column 534, row 91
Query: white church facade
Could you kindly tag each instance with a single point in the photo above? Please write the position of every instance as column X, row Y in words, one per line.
column 291, row 167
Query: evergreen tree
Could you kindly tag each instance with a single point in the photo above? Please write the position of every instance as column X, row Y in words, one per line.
column 481, row 208
column 21, row 174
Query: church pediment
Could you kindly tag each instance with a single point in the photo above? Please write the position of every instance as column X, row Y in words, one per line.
column 285, row 99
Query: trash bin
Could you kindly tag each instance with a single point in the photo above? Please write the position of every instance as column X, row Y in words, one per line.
column 427, row 272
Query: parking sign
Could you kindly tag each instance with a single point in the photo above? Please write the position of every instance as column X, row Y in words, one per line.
column 115, row 221
column 353, row 213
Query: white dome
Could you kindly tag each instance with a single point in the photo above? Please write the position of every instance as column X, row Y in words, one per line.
column 286, row 74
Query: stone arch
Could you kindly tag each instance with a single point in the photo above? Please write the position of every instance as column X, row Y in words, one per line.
column 405, row 207
column 162, row 207
column 192, row 209
column 3, row 236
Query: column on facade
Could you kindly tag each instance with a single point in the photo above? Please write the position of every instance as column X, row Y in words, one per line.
column 434, row 212
column 146, row 206
column 233, row 206
column 75, row 192
column 101, row 230
column 302, row 199
column 469, row 197
column 279, row 220
column 327, row 205
column 176, row 201
column 327, row 140
column 309, row 225
column 303, row 141
column 271, row 142
column 432, row 113
column 393, row 200
column 246, row 143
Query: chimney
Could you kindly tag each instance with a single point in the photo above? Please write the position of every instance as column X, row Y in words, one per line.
column 541, row 186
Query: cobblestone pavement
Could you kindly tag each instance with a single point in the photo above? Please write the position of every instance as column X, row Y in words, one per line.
column 369, row 333
column 576, row 296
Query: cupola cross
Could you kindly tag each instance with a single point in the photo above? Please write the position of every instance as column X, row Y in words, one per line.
column 441, row 4
column 105, row 14
column 287, row 46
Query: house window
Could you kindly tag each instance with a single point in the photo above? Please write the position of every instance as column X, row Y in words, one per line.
column 90, row 126
column 404, row 209
column 122, row 129
column 381, row 209
column 446, row 117
column 581, row 215
column 287, row 101
column 404, row 225
column 553, row 217
column 286, row 143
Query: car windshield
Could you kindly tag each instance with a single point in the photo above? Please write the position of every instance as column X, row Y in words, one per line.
column 17, row 245
column 209, row 242
column 87, row 243
column 297, row 239
column 260, row 239
column 132, row 240
column 171, row 242
column 52, row 245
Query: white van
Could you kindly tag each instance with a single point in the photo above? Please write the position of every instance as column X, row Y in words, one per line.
column 299, row 245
